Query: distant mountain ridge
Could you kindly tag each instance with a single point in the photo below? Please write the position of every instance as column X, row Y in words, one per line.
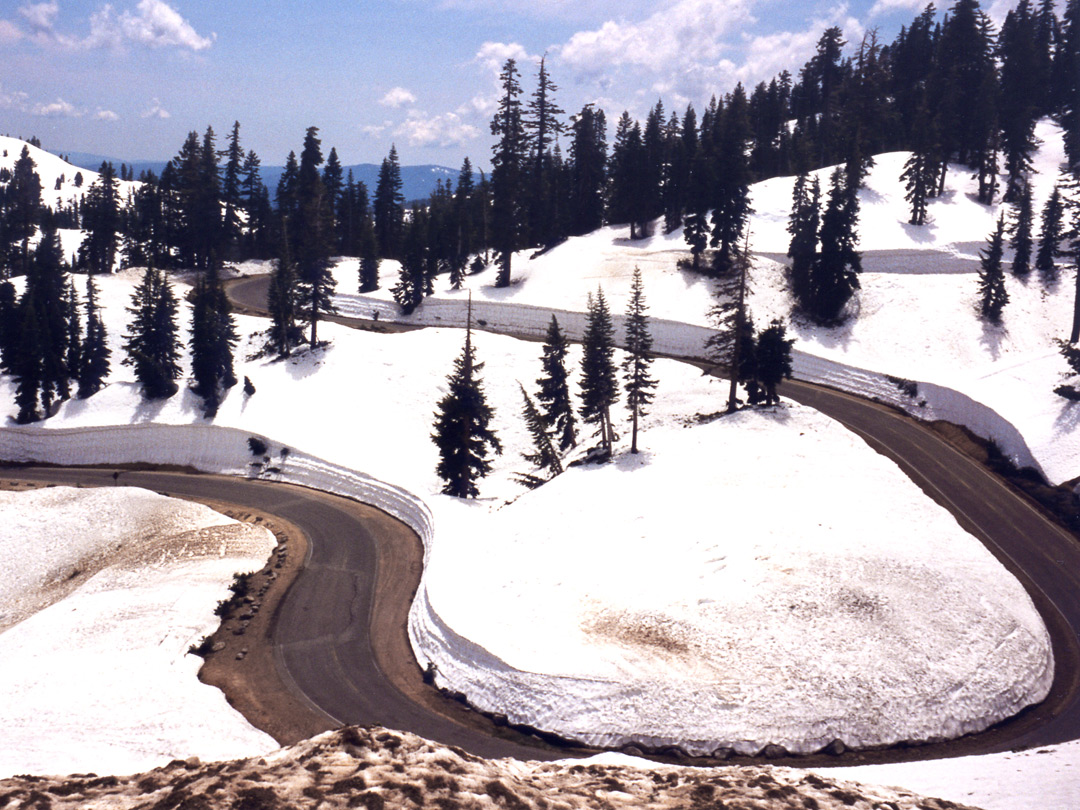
column 417, row 182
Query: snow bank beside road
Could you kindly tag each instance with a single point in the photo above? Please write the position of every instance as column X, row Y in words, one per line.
column 102, row 591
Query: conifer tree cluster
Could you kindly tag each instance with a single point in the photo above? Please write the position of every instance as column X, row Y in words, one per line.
column 825, row 264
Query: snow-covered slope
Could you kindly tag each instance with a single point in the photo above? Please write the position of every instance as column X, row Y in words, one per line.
column 101, row 593
column 50, row 169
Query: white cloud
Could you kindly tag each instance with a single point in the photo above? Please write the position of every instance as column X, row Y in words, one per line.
column 882, row 7
column 493, row 55
column 155, row 111
column 40, row 16
column 374, row 130
column 56, row 109
column 158, row 24
column 447, row 129
column 152, row 23
column 10, row 33
column 12, row 99
column 398, row 97
column 106, row 115
column 689, row 34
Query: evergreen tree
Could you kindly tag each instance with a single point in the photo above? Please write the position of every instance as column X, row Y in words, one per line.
column 151, row 341
column 368, row 246
column 286, row 196
column 101, row 221
column 992, row 293
column 542, row 126
column 773, row 359
column 1050, row 238
column 232, row 194
column 9, row 323
column 72, row 320
column 22, row 212
column 389, row 207
column 334, row 183
column 554, row 388
column 1021, row 92
column 46, row 296
column 920, row 170
column 834, row 277
column 412, row 283
column 599, row 386
column 311, row 238
column 508, row 155
column 731, row 342
column 1074, row 255
column 544, row 457
column 803, row 224
column 462, row 430
column 635, row 366
column 281, row 304
column 698, row 194
column 213, row 337
column 731, row 209
column 588, row 174
column 28, row 371
column 1021, row 241
column 627, row 200
column 94, row 363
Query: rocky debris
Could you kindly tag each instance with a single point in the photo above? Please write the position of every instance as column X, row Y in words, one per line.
column 380, row 769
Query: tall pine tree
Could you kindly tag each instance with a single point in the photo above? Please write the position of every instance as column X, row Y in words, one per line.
column 637, row 381
column 992, row 293
column 554, row 389
column 151, row 342
column 599, row 385
column 462, row 429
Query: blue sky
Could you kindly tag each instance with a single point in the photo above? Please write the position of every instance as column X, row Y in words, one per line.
column 131, row 78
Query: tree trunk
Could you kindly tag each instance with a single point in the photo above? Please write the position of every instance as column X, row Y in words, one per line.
column 633, row 433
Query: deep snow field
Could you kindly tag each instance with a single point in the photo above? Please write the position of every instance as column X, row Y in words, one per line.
column 102, row 591
column 367, row 403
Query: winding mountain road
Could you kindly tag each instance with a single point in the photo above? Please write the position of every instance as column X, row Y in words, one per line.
column 340, row 637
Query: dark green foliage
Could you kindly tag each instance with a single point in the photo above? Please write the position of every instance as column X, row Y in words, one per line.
column 731, row 345
column 992, row 293
column 554, row 389
column 803, row 224
column 508, row 156
column 773, row 359
column 627, row 194
column 412, row 283
column 41, row 357
column 94, row 362
column 231, row 195
column 835, row 274
column 1050, row 238
column 389, row 207
column 920, row 170
column 698, row 194
column 284, row 334
column 543, row 125
column 544, row 457
column 731, row 189
column 1022, row 91
column 151, row 341
column 21, row 214
column 311, row 238
column 462, row 429
column 638, row 383
column 28, row 366
column 9, row 326
column 213, row 337
column 588, row 159
column 1020, row 230
column 599, row 385
column 101, row 220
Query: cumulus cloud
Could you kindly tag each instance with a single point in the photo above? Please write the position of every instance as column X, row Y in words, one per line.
column 493, row 55
column 158, row 24
column 689, row 33
column 882, row 7
column 398, row 97
column 448, row 129
column 374, row 130
column 106, row 115
column 56, row 109
column 155, row 110
column 152, row 23
column 12, row 99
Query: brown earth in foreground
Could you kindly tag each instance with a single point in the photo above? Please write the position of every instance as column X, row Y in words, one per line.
column 378, row 769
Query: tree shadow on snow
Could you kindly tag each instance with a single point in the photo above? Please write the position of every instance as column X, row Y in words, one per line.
column 993, row 335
